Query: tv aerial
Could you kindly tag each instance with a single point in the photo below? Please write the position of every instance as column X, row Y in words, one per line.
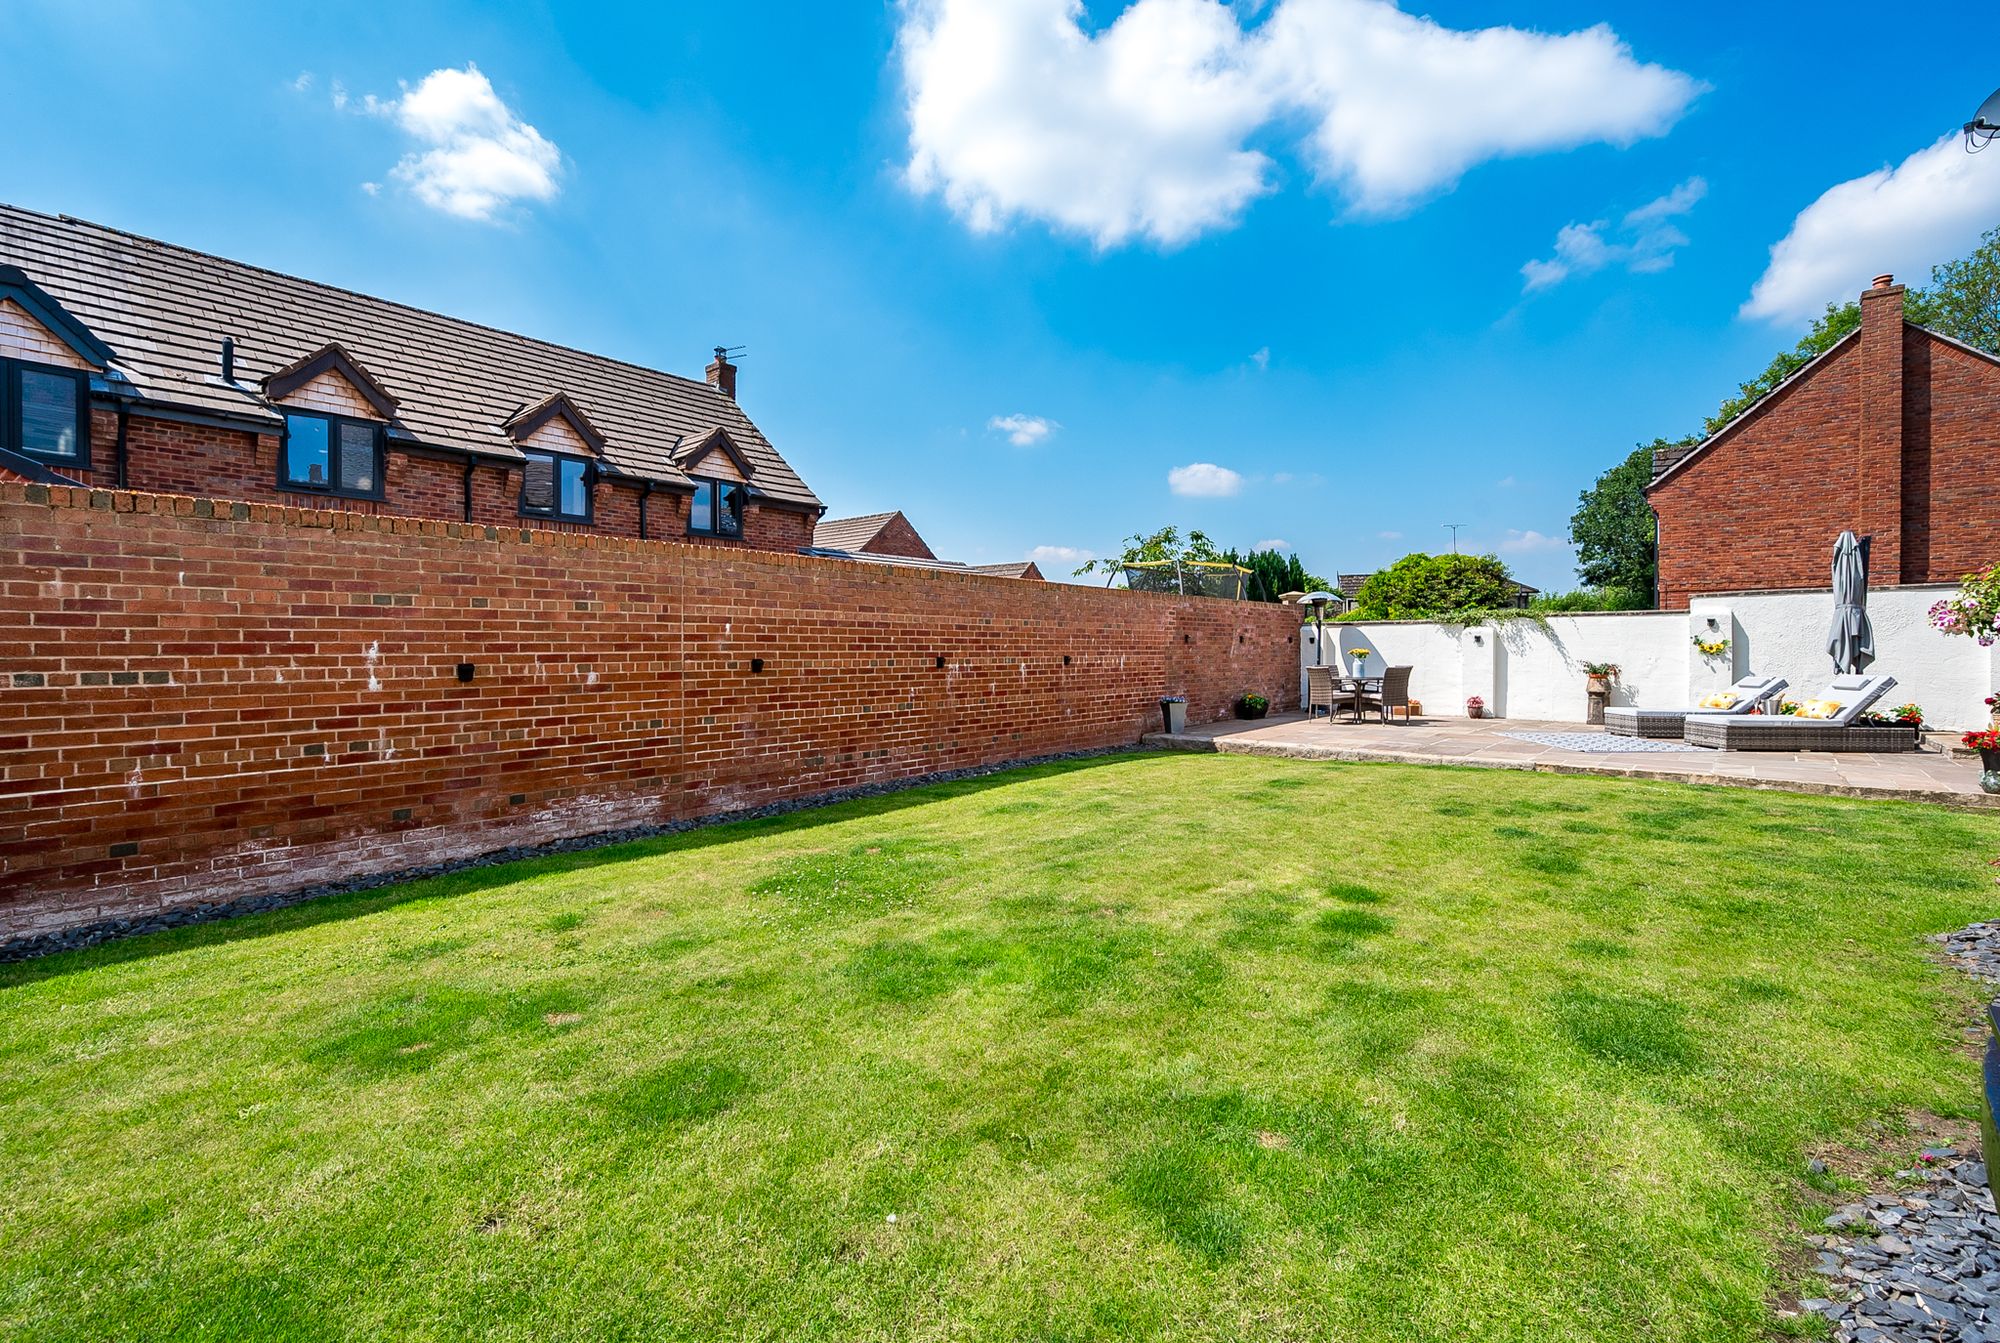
column 1985, row 124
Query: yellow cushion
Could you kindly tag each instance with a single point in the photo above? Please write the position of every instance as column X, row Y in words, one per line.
column 1819, row 708
column 1722, row 699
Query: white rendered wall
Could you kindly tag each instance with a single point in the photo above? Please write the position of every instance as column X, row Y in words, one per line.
column 1529, row 669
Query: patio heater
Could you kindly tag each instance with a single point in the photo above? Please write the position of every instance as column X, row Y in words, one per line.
column 1318, row 601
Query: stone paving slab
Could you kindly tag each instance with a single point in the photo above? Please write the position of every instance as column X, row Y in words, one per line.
column 1922, row 776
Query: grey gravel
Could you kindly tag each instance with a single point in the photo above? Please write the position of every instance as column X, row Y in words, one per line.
column 1974, row 949
column 1918, row 1264
column 207, row 911
column 1923, row 1262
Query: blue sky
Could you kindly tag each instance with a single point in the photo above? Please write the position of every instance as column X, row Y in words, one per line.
column 1254, row 269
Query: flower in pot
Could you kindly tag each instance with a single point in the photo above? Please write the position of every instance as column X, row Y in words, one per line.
column 1361, row 656
column 1250, row 704
column 1598, row 676
column 1475, row 707
column 1173, row 711
column 1987, row 743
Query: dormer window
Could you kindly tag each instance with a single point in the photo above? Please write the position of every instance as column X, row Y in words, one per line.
column 331, row 454
column 717, row 509
column 47, row 412
column 557, row 487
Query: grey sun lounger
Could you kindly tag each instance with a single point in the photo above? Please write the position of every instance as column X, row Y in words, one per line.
column 1775, row 732
column 1665, row 724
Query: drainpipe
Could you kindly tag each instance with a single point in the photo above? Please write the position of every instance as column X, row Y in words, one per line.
column 645, row 493
column 119, row 453
column 467, row 486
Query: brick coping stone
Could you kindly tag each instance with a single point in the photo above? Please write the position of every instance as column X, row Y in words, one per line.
column 209, row 911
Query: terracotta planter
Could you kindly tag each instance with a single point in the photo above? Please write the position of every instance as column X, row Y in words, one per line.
column 1598, row 685
column 1475, row 711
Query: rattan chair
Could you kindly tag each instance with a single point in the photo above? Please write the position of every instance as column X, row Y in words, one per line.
column 1394, row 694
column 1322, row 692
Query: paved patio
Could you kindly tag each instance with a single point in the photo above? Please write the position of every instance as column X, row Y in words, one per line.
column 1927, row 776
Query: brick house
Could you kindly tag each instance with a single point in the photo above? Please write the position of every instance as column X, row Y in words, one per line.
column 130, row 363
column 889, row 538
column 1894, row 433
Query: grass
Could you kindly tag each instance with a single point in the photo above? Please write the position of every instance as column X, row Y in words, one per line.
column 1188, row 1047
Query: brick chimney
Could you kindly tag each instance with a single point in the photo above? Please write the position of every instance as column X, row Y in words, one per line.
column 722, row 373
column 1879, row 510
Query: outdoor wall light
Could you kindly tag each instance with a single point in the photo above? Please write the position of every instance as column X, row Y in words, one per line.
column 940, row 661
column 1714, row 624
column 1478, row 641
column 756, row 666
column 1065, row 659
column 464, row 672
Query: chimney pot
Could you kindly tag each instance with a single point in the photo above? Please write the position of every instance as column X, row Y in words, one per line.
column 1884, row 281
column 722, row 373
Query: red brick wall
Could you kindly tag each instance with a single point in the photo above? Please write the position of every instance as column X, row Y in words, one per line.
column 171, row 457
column 211, row 700
column 1896, row 436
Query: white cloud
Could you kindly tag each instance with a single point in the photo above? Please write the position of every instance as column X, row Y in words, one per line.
column 1023, row 431
column 1069, row 555
column 1505, row 483
column 1145, row 128
column 339, row 96
column 1529, row 542
column 1262, row 359
column 1676, row 202
column 1646, row 241
column 303, row 82
column 1272, row 545
column 1204, row 480
column 372, row 188
column 1390, row 536
column 1929, row 208
column 474, row 155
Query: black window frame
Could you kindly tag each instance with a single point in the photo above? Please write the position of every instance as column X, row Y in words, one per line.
column 716, row 487
column 10, row 413
column 332, row 487
column 554, row 512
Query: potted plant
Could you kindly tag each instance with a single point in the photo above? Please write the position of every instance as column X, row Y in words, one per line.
column 1993, row 710
column 1475, row 707
column 1173, row 709
column 1599, row 676
column 1987, row 743
column 1252, row 705
column 1361, row 656
column 1910, row 716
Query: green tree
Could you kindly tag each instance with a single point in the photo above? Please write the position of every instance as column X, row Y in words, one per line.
column 1963, row 301
column 1163, row 547
column 1419, row 587
column 1273, row 573
column 1612, row 528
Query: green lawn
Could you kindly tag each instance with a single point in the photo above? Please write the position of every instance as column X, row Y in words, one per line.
column 1200, row 1047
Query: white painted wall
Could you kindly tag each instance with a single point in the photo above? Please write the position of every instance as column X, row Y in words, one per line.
column 1525, row 669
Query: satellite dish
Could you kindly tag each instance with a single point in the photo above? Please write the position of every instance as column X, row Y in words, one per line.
column 1985, row 124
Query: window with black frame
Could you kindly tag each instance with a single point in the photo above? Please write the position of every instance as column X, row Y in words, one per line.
column 331, row 454
column 557, row 487
column 717, row 509
column 47, row 412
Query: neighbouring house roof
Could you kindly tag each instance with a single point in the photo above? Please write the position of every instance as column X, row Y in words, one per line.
column 1020, row 569
column 851, row 533
column 164, row 311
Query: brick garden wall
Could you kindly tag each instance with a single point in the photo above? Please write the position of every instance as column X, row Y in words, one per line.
column 212, row 700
